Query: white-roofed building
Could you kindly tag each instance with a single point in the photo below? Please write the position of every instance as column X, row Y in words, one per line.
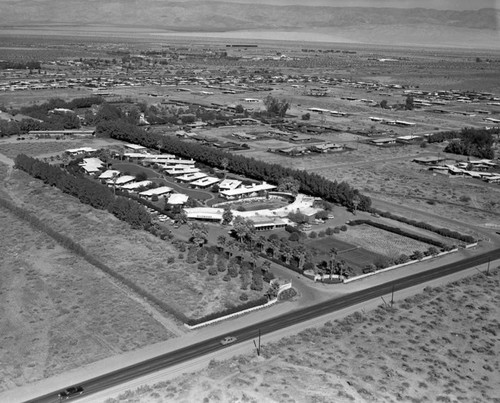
column 178, row 199
column 191, row 177
column 91, row 165
column 81, row 150
column 136, row 185
column 205, row 182
column 109, row 174
column 159, row 191
column 228, row 184
column 247, row 191
column 204, row 213
column 180, row 170
column 135, row 147
column 122, row 180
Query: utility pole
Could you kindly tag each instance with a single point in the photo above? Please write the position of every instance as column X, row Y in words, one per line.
column 392, row 296
column 488, row 269
column 257, row 347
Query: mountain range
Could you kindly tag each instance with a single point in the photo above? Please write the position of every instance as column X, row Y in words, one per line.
column 202, row 16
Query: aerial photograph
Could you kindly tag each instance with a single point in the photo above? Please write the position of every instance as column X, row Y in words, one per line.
column 249, row 201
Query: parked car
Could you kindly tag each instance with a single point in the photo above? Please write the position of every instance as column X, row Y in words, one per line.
column 227, row 340
column 71, row 392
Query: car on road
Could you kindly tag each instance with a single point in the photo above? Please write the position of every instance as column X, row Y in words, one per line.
column 227, row 340
column 71, row 392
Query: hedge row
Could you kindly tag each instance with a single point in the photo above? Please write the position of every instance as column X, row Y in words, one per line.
column 420, row 224
column 86, row 190
column 71, row 245
column 399, row 231
column 234, row 309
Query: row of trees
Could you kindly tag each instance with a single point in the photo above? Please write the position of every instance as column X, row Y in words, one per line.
column 474, row 142
column 86, row 190
column 310, row 183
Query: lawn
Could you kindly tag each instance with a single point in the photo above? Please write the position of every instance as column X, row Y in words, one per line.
column 38, row 147
column 380, row 241
column 355, row 256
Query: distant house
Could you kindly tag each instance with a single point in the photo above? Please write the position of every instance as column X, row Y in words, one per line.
column 136, row 185
column 229, row 184
column 326, row 147
column 177, row 199
column 244, row 136
column 204, row 213
column 135, row 148
column 247, row 191
column 159, row 191
column 109, row 174
column 61, row 133
column 204, row 182
column 383, row 141
column 191, row 177
column 91, row 165
column 122, row 180
column 79, row 151
column 428, row 160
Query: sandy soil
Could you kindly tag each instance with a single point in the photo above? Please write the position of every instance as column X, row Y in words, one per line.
column 441, row 345
column 54, row 305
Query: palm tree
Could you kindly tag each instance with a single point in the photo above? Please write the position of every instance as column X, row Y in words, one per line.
column 221, row 241
column 355, row 202
column 224, row 162
column 331, row 263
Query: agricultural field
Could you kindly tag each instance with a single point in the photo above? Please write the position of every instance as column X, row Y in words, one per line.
column 35, row 148
column 151, row 263
column 58, row 312
column 440, row 345
column 380, row 241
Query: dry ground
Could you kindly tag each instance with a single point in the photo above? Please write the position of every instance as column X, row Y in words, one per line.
column 137, row 255
column 57, row 312
column 438, row 346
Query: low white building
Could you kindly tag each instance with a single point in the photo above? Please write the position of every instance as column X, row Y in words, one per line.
column 136, row 185
column 191, row 177
column 91, row 165
column 229, row 184
column 159, row 191
column 204, row 213
column 109, row 174
column 122, row 180
column 178, row 199
column 205, row 182
column 247, row 191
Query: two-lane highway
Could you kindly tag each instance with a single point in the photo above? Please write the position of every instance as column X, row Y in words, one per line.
column 250, row 332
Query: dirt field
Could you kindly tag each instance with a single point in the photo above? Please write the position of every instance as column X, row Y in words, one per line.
column 137, row 255
column 58, row 312
column 439, row 346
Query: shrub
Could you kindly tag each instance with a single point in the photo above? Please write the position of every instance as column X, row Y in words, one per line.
column 336, row 230
column 171, row 260
column 202, row 266
column 329, row 231
column 294, row 237
column 243, row 297
column 321, row 234
column 227, row 277
column 343, row 228
column 213, row 271
column 313, row 235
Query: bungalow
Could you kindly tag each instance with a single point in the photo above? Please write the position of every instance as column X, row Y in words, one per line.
column 244, row 136
column 180, row 169
column 228, row 184
column 159, row 191
column 204, row 182
column 136, row 148
column 136, row 185
column 428, row 160
column 247, row 191
column 122, row 180
column 109, row 174
column 81, row 150
column 204, row 213
column 60, row 133
column 178, row 199
column 191, row 177
column 383, row 141
column 268, row 223
column 91, row 165
column 325, row 147
column 408, row 139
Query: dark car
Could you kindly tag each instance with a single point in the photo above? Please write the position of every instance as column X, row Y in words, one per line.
column 70, row 392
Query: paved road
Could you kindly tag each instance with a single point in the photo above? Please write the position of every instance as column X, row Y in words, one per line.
column 250, row 332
